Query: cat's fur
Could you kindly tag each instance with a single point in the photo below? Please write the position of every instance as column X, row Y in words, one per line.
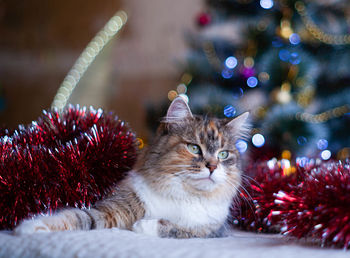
column 171, row 192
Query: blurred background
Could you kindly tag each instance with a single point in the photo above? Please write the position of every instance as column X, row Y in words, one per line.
column 286, row 61
column 40, row 41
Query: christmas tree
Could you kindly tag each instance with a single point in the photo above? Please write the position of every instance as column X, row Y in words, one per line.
column 286, row 61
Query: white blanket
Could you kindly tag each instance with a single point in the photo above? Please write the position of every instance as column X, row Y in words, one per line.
column 121, row 243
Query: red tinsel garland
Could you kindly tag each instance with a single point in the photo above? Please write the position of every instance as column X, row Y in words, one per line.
column 319, row 207
column 72, row 158
column 312, row 202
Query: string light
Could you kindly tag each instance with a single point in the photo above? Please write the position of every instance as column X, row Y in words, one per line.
column 283, row 94
column 316, row 32
column 324, row 116
column 211, row 55
column 172, row 95
column 186, row 78
column 306, row 95
column 286, row 29
column 181, row 88
column 86, row 58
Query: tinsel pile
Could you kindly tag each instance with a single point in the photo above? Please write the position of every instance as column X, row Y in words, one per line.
column 70, row 158
column 309, row 200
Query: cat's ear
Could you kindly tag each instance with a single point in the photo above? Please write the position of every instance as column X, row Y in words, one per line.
column 240, row 126
column 178, row 110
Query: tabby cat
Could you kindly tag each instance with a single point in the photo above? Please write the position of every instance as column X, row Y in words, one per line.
column 182, row 185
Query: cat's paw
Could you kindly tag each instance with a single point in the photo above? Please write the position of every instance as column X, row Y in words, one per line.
column 30, row 227
column 147, row 226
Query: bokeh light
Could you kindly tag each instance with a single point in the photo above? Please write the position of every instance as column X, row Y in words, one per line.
column 184, row 97
column 266, row 4
column 294, row 58
column 272, row 163
column 284, row 55
column 237, row 93
column 258, row 140
column 248, row 62
column 231, row 62
column 172, row 95
column 141, row 143
column 227, row 73
column 301, row 140
column 241, row 146
column 294, row 39
column 285, row 163
column 322, row 144
column 181, row 88
column 302, row 161
column 326, row 154
column 286, row 154
column 248, row 72
column 263, row 76
column 252, row 81
column 277, row 42
column 229, row 111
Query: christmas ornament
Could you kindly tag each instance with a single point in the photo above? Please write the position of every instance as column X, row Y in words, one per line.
column 203, row 19
column 70, row 158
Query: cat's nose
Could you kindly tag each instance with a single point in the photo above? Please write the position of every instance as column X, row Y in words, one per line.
column 211, row 167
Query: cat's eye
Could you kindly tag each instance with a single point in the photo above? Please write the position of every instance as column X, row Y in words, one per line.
column 194, row 148
column 223, row 154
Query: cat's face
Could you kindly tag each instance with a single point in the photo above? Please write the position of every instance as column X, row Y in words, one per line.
column 194, row 154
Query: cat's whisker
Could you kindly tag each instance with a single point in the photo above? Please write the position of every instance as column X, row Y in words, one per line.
column 246, row 192
column 250, row 200
column 177, row 166
column 174, row 169
column 236, row 206
column 247, row 198
column 180, row 172
column 236, row 201
column 249, row 179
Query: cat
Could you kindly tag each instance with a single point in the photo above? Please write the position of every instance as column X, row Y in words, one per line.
column 182, row 185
